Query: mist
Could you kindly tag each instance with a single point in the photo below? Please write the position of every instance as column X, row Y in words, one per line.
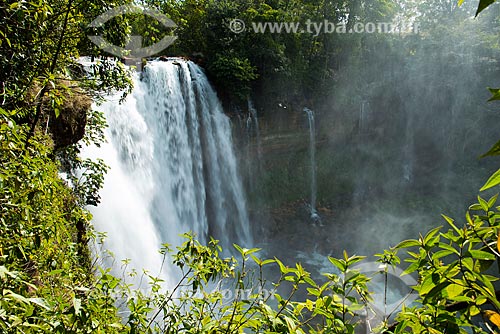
column 398, row 139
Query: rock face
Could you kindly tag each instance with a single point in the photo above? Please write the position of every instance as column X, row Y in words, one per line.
column 69, row 127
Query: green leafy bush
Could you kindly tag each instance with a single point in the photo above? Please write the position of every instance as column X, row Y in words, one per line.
column 234, row 73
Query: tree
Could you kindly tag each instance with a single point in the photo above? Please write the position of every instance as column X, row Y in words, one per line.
column 40, row 44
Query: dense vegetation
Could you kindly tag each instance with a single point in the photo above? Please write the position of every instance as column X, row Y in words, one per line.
column 249, row 61
column 48, row 280
column 414, row 154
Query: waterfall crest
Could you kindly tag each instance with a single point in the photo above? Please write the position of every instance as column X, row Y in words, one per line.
column 173, row 168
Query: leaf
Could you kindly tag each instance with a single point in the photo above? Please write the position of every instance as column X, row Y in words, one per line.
column 251, row 251
column 493, row 317
column 492, row 201
column 245, row 251
column 40, row 302
column 309, row 281
column 268, row 262
column 464, row 299
column 495, row 150
column 431, row 234
column 4, row 272
column 436, row 291
column 17, row 297
column 313, row 292
column 496, row 94
column 412, row 268
column 337, row 263
column 481, row 255
column 474, row 310
column 256, row 260
column 239, row 249
column 441, row 253
column 482, row 265
column 77, row 304
column 450, row 222
column 449, row 248
column 483, row 4
column 468, row 263
column 494, row 180
column 498, row 243
column 283, row 269
column 408, row 243
column 427, row 285
column 475, row 207
column 290, row 324
column 454, row 290
column 56, row 272
column 483, row 203
column 487, row 283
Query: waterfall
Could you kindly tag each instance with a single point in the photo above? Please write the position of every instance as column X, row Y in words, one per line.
column 362, row 117
column 408, row 150
column 312, row 154
column 173, row 168
column 253, row 149
column 360, row 182
column 253, row 116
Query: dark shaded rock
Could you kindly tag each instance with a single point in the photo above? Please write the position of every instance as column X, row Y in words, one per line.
column 69, row 127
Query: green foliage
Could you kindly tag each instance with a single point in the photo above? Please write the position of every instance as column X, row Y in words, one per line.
column 40, row 43
column 495, row 150
column 44, row 262
column 483, row 4
column 299, row 58
column 244, row 304
column 47, row 285
column 455, row 280
column 234, row 73
column 495, row 94
column 493, row 181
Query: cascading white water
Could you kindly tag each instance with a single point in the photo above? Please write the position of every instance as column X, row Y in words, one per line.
column 312, row 153
column 253, row 115
column 363, row 117
column 173, row 169
column 408, row 150
column 253, row 149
